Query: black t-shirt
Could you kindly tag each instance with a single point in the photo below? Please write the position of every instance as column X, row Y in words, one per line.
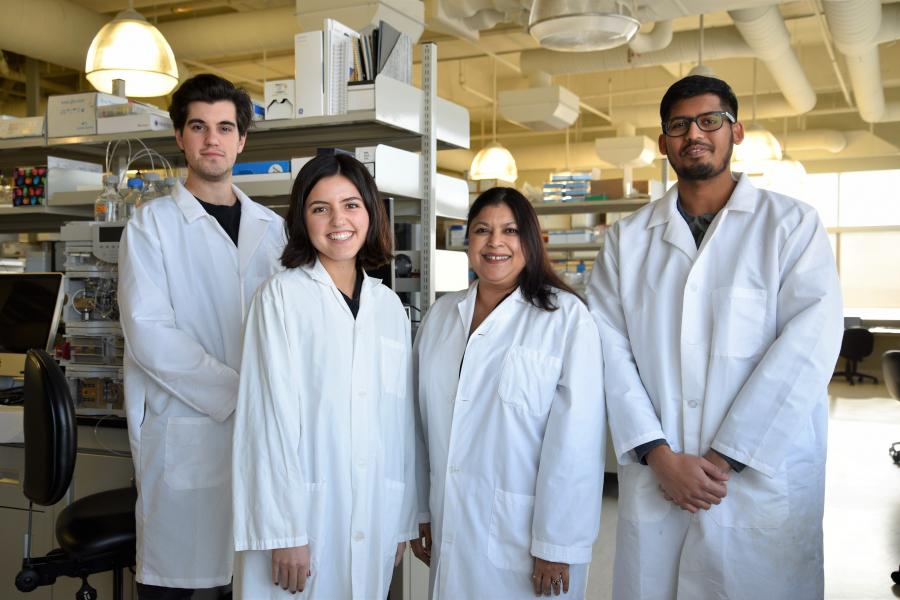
column 229, row 217
column 353, row 303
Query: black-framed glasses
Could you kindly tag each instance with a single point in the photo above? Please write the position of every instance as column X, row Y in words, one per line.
column 711, row 121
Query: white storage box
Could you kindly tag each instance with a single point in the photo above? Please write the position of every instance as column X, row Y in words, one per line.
column 138, row 122
column 76, row 114
column 280, row 99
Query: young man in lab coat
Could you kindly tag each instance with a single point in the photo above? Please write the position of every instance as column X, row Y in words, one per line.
column 720, row 313
column 189, row 265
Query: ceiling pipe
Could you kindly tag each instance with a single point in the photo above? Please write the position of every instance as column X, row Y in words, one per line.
column 829, row 140
column 857, row 27
column 656, row 39
column 763, row 29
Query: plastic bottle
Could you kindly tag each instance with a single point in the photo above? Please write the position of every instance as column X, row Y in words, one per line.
column 152, row 188
column 132, row 195
column 108, row 207
column 169, row 185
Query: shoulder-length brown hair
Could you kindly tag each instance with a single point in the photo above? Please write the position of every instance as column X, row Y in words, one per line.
column 538, row 278
column 299, row 251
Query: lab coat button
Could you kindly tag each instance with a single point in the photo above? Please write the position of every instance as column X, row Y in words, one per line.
column 361, row 463
column 359, row 536
column 693, row 287
column 692, row 403
column 361, row 394
column 454, row 469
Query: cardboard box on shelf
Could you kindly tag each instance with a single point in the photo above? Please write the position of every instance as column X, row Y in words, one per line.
column 24, row 127
column 76, row 114
column 613, row 188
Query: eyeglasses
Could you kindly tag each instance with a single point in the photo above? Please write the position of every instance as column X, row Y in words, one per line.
column 711, row 121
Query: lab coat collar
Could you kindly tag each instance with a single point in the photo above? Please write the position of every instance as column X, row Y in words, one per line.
column 192, row 210
column 466, row 308
column 678, row 233
column 254, row 220
column 317, row 272
column 743, row 198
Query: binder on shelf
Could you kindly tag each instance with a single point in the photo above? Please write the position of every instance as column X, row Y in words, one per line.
column 309, row 77
column 338, row 52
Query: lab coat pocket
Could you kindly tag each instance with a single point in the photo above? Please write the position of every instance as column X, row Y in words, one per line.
column 640, row 499
column 509, row 541
column 528, row 380
column 753, row 501
column 393, row 506
column 198, row 453
column 393, row 380
column 739, row 318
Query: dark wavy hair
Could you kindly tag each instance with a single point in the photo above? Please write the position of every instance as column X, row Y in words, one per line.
column 299, row 251
column 697, row 85
column 210, row 88
column 538, row 278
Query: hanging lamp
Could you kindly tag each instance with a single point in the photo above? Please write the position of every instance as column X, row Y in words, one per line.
column 700, row 68
column 130, row 49
column 759, row 144
column 494, row 161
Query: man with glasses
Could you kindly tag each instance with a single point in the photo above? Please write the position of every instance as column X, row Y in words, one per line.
column 720, row 312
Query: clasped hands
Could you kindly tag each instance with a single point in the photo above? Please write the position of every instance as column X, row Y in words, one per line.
column 692, row 482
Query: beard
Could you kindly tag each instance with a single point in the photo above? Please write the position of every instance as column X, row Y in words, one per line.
column 208, row 172
column 701, row 171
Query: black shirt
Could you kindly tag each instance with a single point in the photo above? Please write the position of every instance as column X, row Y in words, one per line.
column 229, row 217
column 353, row 303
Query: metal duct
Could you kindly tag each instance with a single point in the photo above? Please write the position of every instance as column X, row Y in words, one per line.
column 657, row 39
column 720, row 42
column 856, row 26
column 763, row 29
column 814, row 139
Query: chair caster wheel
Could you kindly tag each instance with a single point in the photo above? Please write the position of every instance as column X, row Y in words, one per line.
column 27, row 580
column 86, row 592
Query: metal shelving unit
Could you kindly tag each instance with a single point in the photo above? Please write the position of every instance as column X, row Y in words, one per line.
column 595, row 206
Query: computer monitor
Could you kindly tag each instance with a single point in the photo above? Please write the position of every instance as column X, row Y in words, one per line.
column 30, row 306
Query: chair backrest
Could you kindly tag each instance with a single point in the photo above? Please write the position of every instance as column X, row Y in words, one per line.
column 890, row 366
column 50, row 430
column 858, row 343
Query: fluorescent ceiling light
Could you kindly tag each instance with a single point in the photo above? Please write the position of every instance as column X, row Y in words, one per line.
column 581, row 26
column 131, row 49
column 494, row 162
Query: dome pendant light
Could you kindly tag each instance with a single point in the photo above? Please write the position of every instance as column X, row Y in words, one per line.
column 131, row 49
column 581, row 25
column 494, row 161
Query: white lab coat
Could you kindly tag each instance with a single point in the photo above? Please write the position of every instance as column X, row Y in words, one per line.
column 183, row 292
column 324, row 437
column 512, row 426
column 729, row 346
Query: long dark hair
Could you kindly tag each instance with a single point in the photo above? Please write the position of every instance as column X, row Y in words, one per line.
column 537, row 279
column 299, row 251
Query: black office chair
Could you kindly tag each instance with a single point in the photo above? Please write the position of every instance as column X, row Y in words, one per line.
column 857, row 344
column 95, row 533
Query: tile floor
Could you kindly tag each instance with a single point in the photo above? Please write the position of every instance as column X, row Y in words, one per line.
column 862, row 501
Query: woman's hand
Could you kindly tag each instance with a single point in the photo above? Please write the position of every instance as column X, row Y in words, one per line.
column 550, row 577
column 290, row 568
column 401, row 547
column 421, row 547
